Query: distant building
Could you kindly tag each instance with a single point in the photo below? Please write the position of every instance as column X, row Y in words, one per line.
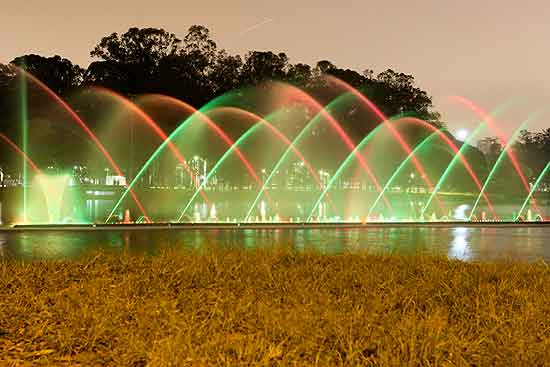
column 80, row 175
column 198, row 167
column 115, row 180
column 180, row 175
column 297, row 177
column 324, row 177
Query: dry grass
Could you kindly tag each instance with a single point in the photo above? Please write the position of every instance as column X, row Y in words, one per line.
column 233, row 307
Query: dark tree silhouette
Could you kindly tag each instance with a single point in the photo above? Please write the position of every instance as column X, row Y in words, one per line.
column 58, row 73
column 145, row 46
column 130, row 62
column 264, row 65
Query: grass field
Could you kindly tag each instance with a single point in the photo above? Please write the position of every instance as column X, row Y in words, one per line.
column 235, row 307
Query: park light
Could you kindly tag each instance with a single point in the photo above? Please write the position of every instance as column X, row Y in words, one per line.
column 462, row 134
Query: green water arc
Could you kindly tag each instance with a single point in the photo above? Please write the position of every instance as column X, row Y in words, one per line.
column 343, row 165
column 295, row 141
column 498, row 110
column 533, row 116
column 160, row 149
column 533, row 189
column 451, row 166
column 398, row 170
column 227, row 153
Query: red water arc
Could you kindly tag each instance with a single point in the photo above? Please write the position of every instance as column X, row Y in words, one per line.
column 74, row 116
column 214, row 127
column 279, row 135
column 155, row 128
column 402, row 142
column 492, row 124
column 18, row 150
column 456, row 151
column 301, row 97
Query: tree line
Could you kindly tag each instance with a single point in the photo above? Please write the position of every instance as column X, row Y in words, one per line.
column 194, row 69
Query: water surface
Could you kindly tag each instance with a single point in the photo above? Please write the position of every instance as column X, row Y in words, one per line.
column 470, row 244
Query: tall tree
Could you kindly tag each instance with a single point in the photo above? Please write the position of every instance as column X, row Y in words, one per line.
column 226, row 72
column 8, row 86
column 57, row 73
column 263, row 65
column 131, row 61
column 145, row 46
column 300, row 74
column 396, row 93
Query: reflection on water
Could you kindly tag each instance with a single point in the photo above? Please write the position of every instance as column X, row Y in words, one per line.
column 460, row 247
column 469, row 244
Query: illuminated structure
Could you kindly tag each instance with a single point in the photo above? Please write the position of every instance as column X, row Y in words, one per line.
column 230, row 162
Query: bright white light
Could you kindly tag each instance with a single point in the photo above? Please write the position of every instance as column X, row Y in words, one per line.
column 460, row 212
column 462, row 134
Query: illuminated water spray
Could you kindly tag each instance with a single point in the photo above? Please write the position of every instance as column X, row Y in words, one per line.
column 379, row 194
column 53, row 187
column 533, row 189
column 24, row 113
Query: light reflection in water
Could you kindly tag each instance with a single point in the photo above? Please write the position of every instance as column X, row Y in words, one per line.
column 524, row 244
column 460, row 248
column 3, row 245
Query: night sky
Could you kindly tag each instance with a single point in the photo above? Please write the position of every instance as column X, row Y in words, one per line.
column 488, row 51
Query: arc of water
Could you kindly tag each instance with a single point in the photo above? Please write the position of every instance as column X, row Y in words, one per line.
column 397, row 135
column 443, row 177
column 220, row 161
column 76, row 118
column 156, row 129
column 500, row 109
column 454, row 148
column 316, row 119
column 20, row 151
column 200, row 113
column 500, row 136
column 501, row 157
column 395, row 173
column 226, row 139
column 278, row 134
column 342, row 166
column 305, row 99
column 259, row 122
column 533, row 189
column 160, row 149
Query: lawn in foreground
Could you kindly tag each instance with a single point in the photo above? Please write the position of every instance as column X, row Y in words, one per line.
column 227, row 307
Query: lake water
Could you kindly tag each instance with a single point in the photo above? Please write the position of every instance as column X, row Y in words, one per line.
column 469, row 244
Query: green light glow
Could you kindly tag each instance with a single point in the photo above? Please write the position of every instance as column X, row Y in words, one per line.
column 537, row 182
column 396, row 173
column 24, row 114
column 227, row 153
column 335, row 102
column 54, row 189
column 215, row 102
column 342, row 166
column 493, row 114
column 502, row 155
column 451, row 166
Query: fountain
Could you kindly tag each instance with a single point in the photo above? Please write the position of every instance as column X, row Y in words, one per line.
column 286, row 159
